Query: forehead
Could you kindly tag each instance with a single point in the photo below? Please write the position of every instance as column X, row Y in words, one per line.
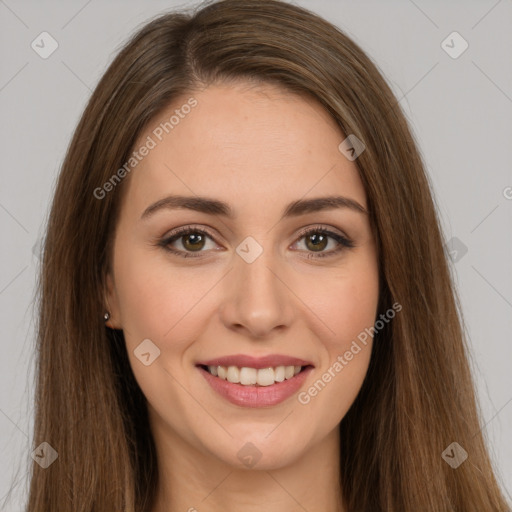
column 239, row 143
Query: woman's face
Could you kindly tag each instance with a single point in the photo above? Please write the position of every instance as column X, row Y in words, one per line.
column 254, row 291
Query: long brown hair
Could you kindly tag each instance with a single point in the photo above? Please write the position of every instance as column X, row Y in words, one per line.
column 418, row 396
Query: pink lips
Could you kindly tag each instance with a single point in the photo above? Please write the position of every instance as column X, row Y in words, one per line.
column 256, row 396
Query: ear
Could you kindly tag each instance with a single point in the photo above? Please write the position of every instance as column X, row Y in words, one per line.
column 112, row 303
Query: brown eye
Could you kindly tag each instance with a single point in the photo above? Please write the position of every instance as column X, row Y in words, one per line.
column 318, row 242
column 193, row 241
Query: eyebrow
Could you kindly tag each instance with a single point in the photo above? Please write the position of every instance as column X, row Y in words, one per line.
column 215, row 207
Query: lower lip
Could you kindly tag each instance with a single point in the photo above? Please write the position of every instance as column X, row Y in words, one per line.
column 256, row 396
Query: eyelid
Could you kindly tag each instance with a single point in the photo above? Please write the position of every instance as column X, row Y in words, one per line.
column 321, row 227
column 343, row 241
column 189, row 228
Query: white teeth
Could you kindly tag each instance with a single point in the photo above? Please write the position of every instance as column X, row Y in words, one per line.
column 222, row 372
column 252, row 376
column 279, row 374
column 233, row 374
column 266, row 377
column 248, row 376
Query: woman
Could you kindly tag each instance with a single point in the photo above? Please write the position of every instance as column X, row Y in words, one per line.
column 244, row 298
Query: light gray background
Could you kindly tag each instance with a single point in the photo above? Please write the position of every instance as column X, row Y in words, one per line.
column 460, row 111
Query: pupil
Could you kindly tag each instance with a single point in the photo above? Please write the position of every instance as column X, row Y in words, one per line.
column 317, row 241
column 197, row 236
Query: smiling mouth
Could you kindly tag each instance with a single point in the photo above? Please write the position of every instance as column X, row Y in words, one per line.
column 246, row 376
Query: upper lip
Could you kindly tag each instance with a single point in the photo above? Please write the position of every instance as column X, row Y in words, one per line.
column 269, row 361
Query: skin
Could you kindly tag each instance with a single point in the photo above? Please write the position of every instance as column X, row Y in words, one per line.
column 257, row 148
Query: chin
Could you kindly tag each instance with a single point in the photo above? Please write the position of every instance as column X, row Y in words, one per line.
column 260, row 450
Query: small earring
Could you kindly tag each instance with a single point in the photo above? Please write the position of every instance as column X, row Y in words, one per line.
column 106, row 316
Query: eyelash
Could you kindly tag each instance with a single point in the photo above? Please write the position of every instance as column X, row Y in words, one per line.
column 187, row 230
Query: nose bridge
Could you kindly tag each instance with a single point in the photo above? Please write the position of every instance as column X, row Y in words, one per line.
column 258, row 299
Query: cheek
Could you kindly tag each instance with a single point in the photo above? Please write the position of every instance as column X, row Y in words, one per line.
column 354, row 308
column 347, row 304
column 346, row 301
column 140, row 301
column 159, row 300
column 351, row 314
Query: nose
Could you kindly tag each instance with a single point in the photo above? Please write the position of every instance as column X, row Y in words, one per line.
column 257, row 299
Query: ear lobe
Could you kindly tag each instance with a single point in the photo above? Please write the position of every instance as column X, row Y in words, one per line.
column 111, row 303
